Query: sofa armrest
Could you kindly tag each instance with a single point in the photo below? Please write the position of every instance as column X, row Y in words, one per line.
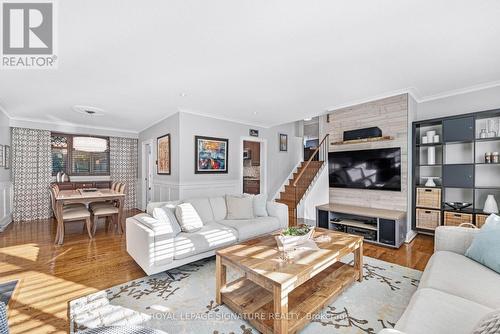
column 390, row 331
column 149, row 242
column 280, row 211
column 453, row 239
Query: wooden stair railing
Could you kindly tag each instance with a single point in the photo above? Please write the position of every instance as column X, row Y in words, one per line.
column 301, row 180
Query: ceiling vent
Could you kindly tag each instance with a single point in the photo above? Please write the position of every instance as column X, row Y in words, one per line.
column 89, row 111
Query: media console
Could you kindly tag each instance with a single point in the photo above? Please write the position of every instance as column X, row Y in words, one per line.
column 379, row 226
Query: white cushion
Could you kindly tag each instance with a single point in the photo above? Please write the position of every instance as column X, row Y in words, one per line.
column 219, row 208
column 250, row 228
column 461, row 276
column 209, row 237
column 239, row 207
column 75, row 213
column 166, row 216
column 202, row 206
column 152, row 205
column 260, row 205
column 433, row 311
column 105, row 210
column 188, row 218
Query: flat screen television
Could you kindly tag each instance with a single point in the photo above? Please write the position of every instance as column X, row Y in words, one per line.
column 378, row 169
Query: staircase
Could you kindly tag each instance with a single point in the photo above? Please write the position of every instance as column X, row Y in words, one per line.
column 302, row 179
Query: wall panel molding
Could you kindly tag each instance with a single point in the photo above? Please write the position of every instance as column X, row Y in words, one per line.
column 6, row 204
column 209, row 189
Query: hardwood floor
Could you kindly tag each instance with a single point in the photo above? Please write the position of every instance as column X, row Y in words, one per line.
column 50, row 276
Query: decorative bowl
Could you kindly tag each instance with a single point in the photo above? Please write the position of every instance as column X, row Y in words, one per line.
column 458, row 205
column 287, row 241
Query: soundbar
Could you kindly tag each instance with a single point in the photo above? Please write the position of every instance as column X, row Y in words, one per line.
column 362, row 133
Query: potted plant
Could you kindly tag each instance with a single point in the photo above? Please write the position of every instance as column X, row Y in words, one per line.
column 293, row 236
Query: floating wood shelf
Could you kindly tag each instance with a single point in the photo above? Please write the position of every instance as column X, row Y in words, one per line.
column 366, row 140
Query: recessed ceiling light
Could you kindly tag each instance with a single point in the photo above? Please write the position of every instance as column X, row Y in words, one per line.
column 308, row 119
column 182, row 94
column 255, row 113
column 89, row 111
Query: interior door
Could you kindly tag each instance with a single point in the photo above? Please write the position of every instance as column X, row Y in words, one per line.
column 149, row 174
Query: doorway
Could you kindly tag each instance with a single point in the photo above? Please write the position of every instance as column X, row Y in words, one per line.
column 311, row 137
column 253, row 176
column 147, row 173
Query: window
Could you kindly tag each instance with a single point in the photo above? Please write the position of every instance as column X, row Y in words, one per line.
column 80, row 155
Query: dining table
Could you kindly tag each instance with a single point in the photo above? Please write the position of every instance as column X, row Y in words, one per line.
column 86, row 196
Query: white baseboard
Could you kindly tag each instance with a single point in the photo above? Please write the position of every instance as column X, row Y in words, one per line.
column 6, row 201
column 4, row 222
column 410, row 236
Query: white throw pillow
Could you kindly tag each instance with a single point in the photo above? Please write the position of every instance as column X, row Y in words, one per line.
column 188, row 218
column 239, row 207
column 165, row 215
column 260, row 205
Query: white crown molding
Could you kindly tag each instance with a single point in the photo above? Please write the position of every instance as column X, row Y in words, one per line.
column 410, row 91
column 228, row 119
column 47, row 125
column 158, row 121
column 460, row 91
column 2, row 109
column 417, row 96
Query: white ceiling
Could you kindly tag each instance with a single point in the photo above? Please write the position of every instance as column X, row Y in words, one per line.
column 260, row 62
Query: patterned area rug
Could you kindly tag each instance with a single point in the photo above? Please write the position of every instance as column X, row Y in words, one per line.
column 6, row 291
column 182, row 301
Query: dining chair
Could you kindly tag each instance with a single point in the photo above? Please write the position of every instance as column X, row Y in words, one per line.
column 69, row 214
column 109, row 211
column 94, row 205
column 69, row 206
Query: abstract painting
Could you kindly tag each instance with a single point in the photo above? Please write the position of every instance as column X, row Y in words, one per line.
column 210, row 155
column 163, row 155
column 283, row 142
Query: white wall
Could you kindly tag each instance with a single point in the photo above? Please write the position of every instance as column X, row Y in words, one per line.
column 281, row 164
column 5, row 178
column 184, row 183
column 412, row 114
column 480, row 100
column 318, row 194
column 164, row 187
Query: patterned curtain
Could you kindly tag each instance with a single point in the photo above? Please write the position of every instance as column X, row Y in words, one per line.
column 123, row 166
column 31, row 173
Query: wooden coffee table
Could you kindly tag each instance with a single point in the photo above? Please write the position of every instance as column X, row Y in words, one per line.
column 282, row 296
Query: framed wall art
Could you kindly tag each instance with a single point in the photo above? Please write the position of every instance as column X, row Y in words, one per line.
column 253, row 132
column 7, row 157
column 163, row 164
column 283, row 142
column 211, row 155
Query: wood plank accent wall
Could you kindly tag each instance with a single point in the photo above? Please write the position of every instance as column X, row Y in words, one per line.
column 389, row 114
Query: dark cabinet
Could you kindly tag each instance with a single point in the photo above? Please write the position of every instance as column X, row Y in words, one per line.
column 458, row 129
column 251, row 187
column 460, row 176
column 387, row 231
column 323, row 218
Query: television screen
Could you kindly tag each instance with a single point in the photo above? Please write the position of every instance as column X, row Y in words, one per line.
column 378, row 169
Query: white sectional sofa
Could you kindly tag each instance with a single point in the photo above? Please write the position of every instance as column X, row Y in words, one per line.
column 155, row 248
column 454, row 293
